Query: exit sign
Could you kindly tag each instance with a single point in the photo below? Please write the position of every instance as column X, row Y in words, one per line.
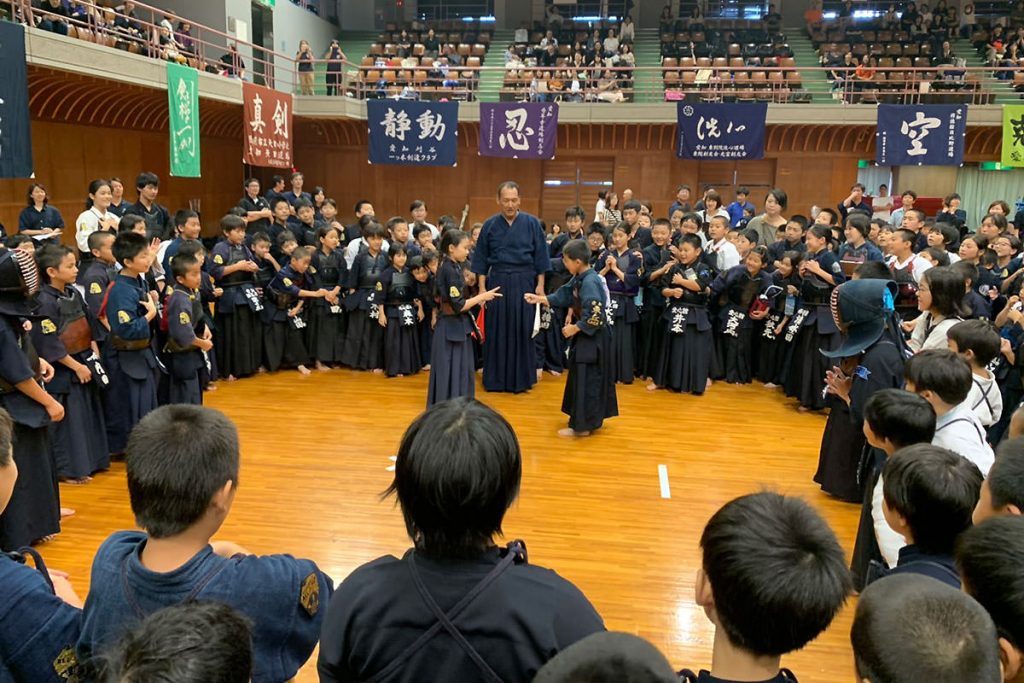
column 266, row 3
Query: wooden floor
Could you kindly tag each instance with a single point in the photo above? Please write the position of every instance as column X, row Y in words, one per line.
column 315, row 452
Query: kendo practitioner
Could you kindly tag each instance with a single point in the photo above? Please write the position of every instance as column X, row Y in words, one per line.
column 187, row 333
column 364, row 341
column 400, row 313
column 657, row 260
column 284, row 316
column 327, row 322
column 33, row 513
column 238, row 332
column 589, row 396
column 511, row 254
column 620, row 266
column 63, row 337
column 740, row 286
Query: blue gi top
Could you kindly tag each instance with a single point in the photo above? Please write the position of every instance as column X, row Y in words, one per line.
column 516, row 246
column 125, row 314
column 282, row 596
column 38, row 630
column 588, row 289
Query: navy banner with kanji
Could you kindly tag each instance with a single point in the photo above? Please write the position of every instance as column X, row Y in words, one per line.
column 413, row 133
column 15, row 123
column 921, row 134
column 721, row 131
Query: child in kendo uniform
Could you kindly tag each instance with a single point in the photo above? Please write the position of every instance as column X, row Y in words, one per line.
column 620, row 267
column 364, row 342
column 741, row 286
column 326, row 332
column 285, row 299
column 657, row 260
column 238, row 331
column 589, row 396
column 188, row 336
column 399, row 313
column 773, row 342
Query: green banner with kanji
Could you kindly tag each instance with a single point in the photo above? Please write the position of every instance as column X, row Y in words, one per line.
column 1013, row 135
column 183, row 102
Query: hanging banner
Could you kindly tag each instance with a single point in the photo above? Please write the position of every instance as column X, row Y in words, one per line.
column 518, row 130
column 267, row 126
column 15, row 123
column 920, row 134
column 412, row 133
column 721, row 131
column 183, row 103
column 1013, row 135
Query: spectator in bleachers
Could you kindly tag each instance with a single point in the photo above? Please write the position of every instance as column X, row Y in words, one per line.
column 54, row 19
column 968, row 20
column 772, row 20
column 548, row 39
column 666, row 22
column 996, row 46
column 127, row 25
column 1016, row 47
column 945, row 55
column 453, row 57
column 627, row 34
column 232, row 62
column 168, row 46
column 522, row 34
column 889, row 20
column 547, row 57
column 334, row 56
column 304, row 58
column 431, row 45
column 695, row 22
column 511, row 56
column 183, row 36
column 908, row 18
column 611, row 44
column 865, row 73
column 1017, row 15
column 554, row 18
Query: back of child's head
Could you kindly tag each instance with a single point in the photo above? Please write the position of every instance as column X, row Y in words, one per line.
column 193, row 248
column 990, row 556
column 872, row 270
column 941, row 372
column 128, row 222
column 967, row 270
column 935, row 491
column 198, row 642
column 577, row 250
column 977, row 336
column 776, row 571
column 178, row 457
column 181, row 264
column 231, row 222
column 914, row 629
column 939, row 257
column 128, row 245
column 1003, row 490
column 237, row 211
column 901, row 417
column 608, row 657
column 457, row 472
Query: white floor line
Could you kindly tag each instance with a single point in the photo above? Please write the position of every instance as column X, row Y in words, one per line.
column 666, row 492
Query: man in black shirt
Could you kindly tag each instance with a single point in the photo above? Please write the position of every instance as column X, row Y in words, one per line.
column 354, row 232
column 158, row 219
column 257, row 209
column 855, row 202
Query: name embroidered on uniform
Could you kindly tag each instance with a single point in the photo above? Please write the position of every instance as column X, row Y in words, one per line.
column 66, row 665
column 95, row 288
column 123, row 317
column 184, row 319
column 218, row 259
column 309, row 596
column 595, row 315
column 454, row 292
column 47, row 326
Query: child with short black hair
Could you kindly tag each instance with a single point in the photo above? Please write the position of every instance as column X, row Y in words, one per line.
column 1002, row 492
column 327, row 321
column 906, row 629
column 130, row 360
column 21, row 241
column 63, row 336
column 197, row 641
column 183, row 464
column 597, row 237
column 943, row 379
column 893, row 419
column 772, row 578
column 364, row 340
column 658, row 261
column 975, row 305
column 188, row 336
column 739, row 287
column 978, row 342
column 990, row 556
column 425, row 292
column 772, row 344
column 793, row 240
column 620, row 266
column 398, row 313
column 238, row 332
column 929, row 495
column 283, row 315
column 39, row 612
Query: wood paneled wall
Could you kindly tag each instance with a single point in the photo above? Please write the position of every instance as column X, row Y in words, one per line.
column 69, row 156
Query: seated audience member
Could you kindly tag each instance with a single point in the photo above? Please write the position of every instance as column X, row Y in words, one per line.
column 608, row 658
column 1002, row 492
column 930, row 494
column 458, row 471
column 182, row 467
column 893, row 419
column 906, row 629
column 990, row 556
column 943, row 378
column 977, row 341
column 39, row 611
column 198, row 642
column 773, row 578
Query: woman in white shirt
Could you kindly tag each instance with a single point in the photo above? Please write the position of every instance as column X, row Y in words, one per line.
column 96, row 215
column 940, row 298
column 628, row 32
column 712, row 208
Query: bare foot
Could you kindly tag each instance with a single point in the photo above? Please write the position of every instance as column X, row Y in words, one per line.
column 540, row 374
column 378, row 371
column 555, row 373
column 569, row 431
column 75, row 481
column 303, row 370
column 426, row 367
column 652, row 387
column 708, row 385
column 210, row 387
column 804, row 409
column 399, row 375
column 66, row 512
column 321, row 367
column 230, row 378
column 770, row 385
column 261, row 370
column 45, row 539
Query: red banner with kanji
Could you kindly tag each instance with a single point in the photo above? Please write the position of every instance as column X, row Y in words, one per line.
column 268, row 126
